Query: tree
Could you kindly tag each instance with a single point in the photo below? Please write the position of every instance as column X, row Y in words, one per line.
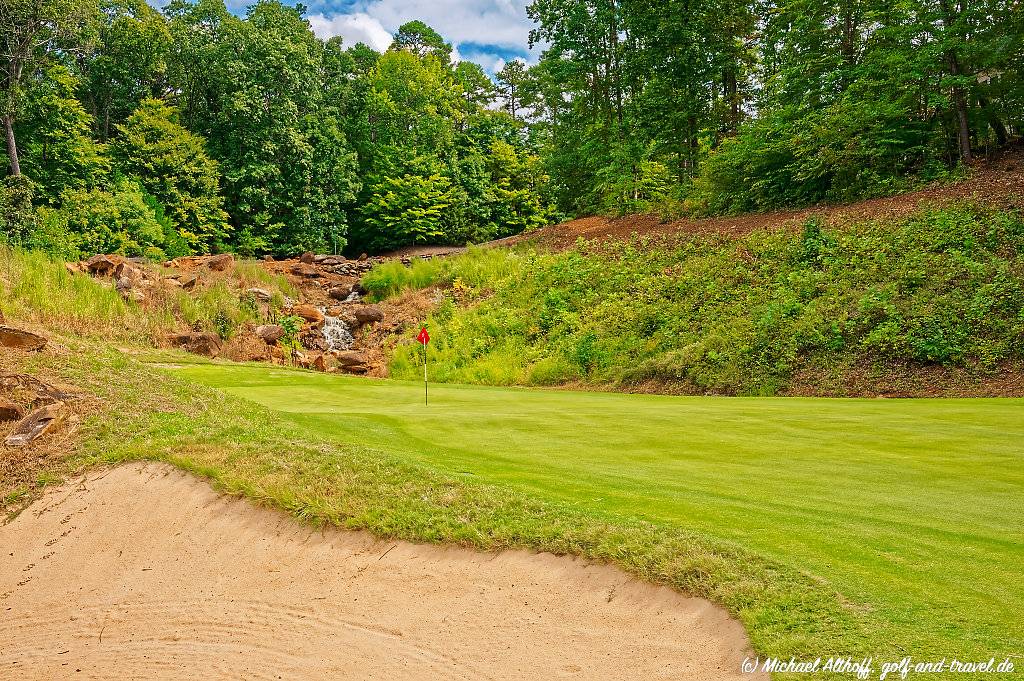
column 128, row 65
column 59, row 153
column 257, row 90
column 510, row 79
column 418, row 38
column 172, row 165
column 31, row 33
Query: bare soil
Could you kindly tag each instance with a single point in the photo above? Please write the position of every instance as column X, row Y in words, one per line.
column 1000, row 183
column 143, row 571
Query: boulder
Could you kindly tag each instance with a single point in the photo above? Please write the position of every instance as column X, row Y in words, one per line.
column 368, row 314
column 188, row 283
column 9, row 411
column 260, row 294
column 308, row 312
column 301, row 269
column 307, row 258
column 20, row 340
column 351, row 358
column 125, row 270
column 320, row 363
column 74, row 268
column 335, row 311
column 36, row 424
column 363, row 257
column 339, row 292
column 220, row 263
column 197, row 342
column 330, row 260
column 100, row 265
column 270, row 333
column 204, row 343
column 268, row 258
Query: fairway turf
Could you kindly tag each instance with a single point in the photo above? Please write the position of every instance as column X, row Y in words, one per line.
column 911, row 511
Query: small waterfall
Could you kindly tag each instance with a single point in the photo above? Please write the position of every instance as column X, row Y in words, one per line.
column 337, row 334
column 353, row 297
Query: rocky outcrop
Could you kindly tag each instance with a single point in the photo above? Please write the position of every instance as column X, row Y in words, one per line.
column 220, row 263
column 38, row 423
column 305, row 270
column 270, row 333
column 367, row 314
column 9, row 411
column 197, row 342
column 307, row 258
column 20, row 340
column 308, row 313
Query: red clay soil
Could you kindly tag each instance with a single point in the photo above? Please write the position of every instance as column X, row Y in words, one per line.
column 1000, row 183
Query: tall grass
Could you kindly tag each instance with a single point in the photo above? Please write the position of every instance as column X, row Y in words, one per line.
column 39, row 290
column 477, row 268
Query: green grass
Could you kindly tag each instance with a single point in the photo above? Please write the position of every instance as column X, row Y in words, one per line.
column 766, row 313
column 906, row 516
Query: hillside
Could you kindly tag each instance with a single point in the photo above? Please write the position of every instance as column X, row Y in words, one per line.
column 919, row 295
column 999, row 184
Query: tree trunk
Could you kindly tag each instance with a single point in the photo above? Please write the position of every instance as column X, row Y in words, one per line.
column 12, row 146
column 959, row 99
column 1002, row 136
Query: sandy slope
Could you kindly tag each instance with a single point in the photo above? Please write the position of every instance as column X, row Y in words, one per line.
column 145, row 572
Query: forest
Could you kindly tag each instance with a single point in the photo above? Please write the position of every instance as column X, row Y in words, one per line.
column 189, row 129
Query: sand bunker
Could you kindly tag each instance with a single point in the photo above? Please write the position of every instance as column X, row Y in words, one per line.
column 145, row 572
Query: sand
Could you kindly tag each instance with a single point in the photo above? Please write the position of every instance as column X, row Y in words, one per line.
column 145, row 572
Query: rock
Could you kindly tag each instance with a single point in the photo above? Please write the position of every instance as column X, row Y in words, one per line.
column 268, row 258
column 124, row 270
column 188, row 283
column 178, row 339
column 204, row 343
column 335, row 311
column 100, row 265
column 320, row 363
column 330, row 260
column 197, row 342
column 9, row 411
column 37, row 424
column 74, row 268
column 171, row 282
column 367, row 314
column 350, row 358
column 260, row 294
column 219, row 263
column 270, row 333
column 307, row 258
column 301, row 269
column 308, row 312
column 312, row 338
column 339, row 292
column 363, row 257
column 20, row 340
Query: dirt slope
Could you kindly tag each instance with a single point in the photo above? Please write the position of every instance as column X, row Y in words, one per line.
column 145, row 572
column 1000, row 183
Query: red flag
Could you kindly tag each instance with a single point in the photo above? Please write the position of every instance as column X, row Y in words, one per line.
column 424, row 337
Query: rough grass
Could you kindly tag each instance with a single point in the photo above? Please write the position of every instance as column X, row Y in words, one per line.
column 724, row 315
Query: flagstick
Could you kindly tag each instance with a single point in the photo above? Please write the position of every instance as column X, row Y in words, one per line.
column 424, row 374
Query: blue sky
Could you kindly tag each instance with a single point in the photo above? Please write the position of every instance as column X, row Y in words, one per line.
column 489, row 32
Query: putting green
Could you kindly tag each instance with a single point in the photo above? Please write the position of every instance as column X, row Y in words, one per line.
column 912, row 510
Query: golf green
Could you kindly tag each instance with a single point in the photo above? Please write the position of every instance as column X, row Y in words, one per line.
column 912, row 511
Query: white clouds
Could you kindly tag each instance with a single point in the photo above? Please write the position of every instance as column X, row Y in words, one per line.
column 353, row 28
column 502, row 23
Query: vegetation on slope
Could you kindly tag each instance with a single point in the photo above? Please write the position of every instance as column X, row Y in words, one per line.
column 730, row 315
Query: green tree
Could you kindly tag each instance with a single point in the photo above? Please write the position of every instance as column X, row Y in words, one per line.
column 59, row 153
column 32, row 33
column 421, row 40
column 128, row 65
column 172, row 165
